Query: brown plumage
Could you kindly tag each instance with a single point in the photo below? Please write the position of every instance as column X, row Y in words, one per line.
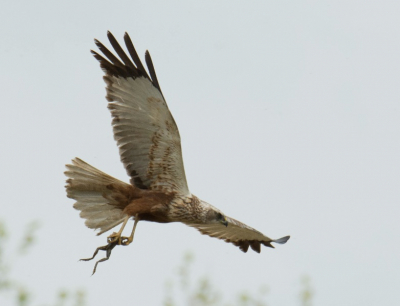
column 150, row 150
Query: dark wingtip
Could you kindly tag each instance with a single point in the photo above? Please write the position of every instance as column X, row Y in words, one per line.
column 94, row 53
column 282, row 240
column 244, row 248
column 243, row 245
column 255, row 246
column 268, row 244
column 109, row 34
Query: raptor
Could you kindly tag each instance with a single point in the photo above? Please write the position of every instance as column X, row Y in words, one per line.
column 150, row 150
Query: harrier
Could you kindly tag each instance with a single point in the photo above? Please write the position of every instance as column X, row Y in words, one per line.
column 150, row 150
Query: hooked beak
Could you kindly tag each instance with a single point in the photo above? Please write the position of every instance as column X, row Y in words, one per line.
column 224, row 222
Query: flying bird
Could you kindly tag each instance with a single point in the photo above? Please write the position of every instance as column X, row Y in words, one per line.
column 150, row 150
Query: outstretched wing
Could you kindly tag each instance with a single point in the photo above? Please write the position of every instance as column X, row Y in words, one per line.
column 239, row 234
column 146, row 133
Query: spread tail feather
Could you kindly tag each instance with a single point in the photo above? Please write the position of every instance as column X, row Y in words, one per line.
column 282, row 240
column 100, row 197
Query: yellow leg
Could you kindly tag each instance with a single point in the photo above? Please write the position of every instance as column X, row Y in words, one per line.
column 114, row 237
column 128, row 240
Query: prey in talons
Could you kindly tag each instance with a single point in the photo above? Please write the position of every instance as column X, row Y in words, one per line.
column 108, row 248
column 113, row 240
column 122, row 240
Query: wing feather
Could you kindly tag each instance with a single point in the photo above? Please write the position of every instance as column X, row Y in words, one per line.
column 146, row 133
column 239, row 234
column 152, row 71
column 134, row 55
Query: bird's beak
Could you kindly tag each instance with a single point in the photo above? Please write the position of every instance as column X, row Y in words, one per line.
column 224, row 222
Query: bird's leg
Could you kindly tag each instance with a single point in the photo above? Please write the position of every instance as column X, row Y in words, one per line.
column 116, row 237
column 108, row 248
column 128, row 240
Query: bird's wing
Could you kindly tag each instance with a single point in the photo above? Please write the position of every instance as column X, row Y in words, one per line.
column 239, row 234
column 146, row 133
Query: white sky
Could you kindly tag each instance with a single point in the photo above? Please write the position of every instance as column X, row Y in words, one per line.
column 289, row 118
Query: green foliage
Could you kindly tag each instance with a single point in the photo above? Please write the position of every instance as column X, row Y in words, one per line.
column 306, row 293
column 202, row 292
column 19, row 292
column 4, row 281
column 29, row 237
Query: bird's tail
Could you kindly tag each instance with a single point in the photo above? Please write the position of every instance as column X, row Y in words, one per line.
column 100, row 197
column 281, row 240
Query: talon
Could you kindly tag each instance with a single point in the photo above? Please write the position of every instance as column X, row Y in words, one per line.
column 114, row 238
column 126, row 240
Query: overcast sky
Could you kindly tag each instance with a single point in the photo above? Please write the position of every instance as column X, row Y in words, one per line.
column 289, row 117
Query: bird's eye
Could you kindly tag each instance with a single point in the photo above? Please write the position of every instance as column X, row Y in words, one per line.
column 219, row 216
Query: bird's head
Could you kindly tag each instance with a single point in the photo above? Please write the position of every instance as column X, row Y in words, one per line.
column 214, row 216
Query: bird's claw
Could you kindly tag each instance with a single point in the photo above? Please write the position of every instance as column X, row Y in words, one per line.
column 126, row 240
column 114, row 238
column 118, row 239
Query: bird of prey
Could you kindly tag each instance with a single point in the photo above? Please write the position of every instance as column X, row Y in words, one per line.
column 150, row 150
